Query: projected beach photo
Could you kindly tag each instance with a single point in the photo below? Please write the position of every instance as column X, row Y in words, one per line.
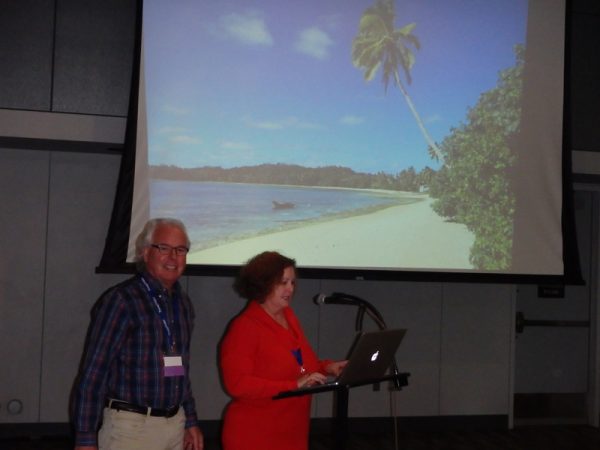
column 343, row 133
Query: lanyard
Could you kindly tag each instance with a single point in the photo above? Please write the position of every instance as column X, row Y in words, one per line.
column 162, row 313
column 298, row 355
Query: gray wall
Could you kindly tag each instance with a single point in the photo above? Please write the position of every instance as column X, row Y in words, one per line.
column 55, row 212
column 68, row 80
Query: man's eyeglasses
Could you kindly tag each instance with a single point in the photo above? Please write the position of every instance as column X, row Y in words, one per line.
column 166, row 249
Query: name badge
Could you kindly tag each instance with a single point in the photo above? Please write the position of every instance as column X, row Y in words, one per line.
column 174, row 366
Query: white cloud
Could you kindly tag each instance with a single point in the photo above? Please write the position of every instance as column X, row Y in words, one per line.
column 352, row 120
column 433, row 119
column 232, row 145
column 266, row 125
column 175, row 110
column 285, row 123
column 314, row 42
column 248, row 28
column 183, row 139
column 171, row 130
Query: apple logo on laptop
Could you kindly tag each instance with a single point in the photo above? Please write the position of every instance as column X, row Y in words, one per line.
column 374, row 356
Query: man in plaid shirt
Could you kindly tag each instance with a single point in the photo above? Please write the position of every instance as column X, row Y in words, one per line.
column 134, row 377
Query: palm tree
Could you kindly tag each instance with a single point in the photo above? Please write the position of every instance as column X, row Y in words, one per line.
column 378, row 44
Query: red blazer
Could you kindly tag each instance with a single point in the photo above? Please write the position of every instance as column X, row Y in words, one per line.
column 257, row 362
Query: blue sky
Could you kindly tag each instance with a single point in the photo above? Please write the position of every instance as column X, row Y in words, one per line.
column 233, row 83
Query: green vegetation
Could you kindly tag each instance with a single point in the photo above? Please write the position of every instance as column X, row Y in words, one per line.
column 475, row 185
column 295, row 175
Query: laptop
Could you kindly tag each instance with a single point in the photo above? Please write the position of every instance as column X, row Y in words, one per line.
column 370, row 356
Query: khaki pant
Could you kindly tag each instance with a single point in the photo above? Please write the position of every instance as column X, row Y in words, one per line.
column 123, row 430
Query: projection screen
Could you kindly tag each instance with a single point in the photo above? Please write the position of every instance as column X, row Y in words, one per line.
column 361, row 135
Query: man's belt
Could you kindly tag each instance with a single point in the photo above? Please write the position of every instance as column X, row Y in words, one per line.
column 145, row 410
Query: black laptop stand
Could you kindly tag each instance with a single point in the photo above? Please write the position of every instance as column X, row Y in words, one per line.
column 340, row 424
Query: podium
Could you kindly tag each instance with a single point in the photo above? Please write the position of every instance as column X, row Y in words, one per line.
column 340, row 423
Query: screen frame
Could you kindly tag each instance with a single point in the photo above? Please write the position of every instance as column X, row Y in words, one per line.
column 114, row 256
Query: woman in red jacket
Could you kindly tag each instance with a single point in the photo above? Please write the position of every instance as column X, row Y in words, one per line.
column 265, row 352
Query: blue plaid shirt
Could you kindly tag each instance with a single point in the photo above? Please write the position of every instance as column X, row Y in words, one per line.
column 124, row 354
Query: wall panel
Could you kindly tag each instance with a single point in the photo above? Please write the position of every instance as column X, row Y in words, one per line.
column 476, row 346
column 24, row 209
column 584, row 73
column 94, row 56
column 26, row 44
column 81, row 191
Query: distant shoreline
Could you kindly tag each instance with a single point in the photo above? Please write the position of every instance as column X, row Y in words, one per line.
column 295, row 175
column 300, row 186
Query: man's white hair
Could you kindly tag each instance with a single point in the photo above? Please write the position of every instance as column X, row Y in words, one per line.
column 144, row 239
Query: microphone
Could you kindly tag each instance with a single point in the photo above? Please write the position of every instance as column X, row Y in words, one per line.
column 338, row 298
column 334, row 299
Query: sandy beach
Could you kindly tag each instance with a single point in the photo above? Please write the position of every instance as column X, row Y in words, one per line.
column 408, row 236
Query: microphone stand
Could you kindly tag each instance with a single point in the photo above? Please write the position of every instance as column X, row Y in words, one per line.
column 366, row 307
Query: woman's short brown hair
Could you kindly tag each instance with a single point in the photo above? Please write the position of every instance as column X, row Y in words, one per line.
column 258, row 276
